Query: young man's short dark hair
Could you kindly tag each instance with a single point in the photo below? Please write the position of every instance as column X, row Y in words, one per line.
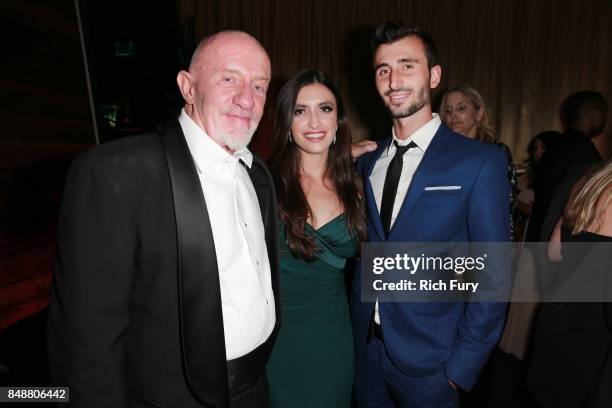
column 392, row 31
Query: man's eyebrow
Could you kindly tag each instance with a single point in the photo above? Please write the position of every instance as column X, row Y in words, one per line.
column 239, row 72
column 230, row 71
column 380, row 66
column 408, row 59
column 399, row 61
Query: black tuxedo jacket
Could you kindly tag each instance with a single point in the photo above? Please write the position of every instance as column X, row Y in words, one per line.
column 135, row 313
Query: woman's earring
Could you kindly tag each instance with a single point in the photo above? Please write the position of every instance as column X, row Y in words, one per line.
column 335, row 136
column 290, row 138
column 477, row 124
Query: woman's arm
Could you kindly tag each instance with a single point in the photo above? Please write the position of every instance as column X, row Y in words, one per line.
column 554, row 244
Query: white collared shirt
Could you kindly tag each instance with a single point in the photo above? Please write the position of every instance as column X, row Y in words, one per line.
column 247, row 299
column 411, row 160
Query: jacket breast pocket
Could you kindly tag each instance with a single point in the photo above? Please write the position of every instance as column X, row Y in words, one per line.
column 442, row 192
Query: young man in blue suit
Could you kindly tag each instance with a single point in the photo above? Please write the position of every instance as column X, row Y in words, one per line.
column 425, row 183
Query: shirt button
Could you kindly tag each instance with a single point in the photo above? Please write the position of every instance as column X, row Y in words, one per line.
column 245, row 224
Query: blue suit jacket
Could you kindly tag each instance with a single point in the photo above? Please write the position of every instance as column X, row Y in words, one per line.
column 423, row 338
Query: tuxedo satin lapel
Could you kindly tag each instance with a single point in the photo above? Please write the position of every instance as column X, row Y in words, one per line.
column 369, row 193
column 201, row 319
column 262, row 188
column 420, row 180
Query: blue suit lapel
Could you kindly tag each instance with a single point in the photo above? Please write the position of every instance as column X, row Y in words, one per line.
column 369, row 193
column 421, row 177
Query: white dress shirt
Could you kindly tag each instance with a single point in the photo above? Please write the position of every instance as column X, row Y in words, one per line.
column 247, row 299
column 411, row 160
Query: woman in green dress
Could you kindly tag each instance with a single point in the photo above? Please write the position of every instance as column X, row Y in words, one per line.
column 322, row 221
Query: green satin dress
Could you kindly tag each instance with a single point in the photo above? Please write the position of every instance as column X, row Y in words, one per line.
column 312, row 364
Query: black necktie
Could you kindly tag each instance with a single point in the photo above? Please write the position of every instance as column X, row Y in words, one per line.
column 391, row 181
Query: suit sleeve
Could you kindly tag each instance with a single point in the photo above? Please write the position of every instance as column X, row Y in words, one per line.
column 89, row 307
column 488, row 221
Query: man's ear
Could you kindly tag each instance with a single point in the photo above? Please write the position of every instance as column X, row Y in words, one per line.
column 435, row 75
column 185, row 84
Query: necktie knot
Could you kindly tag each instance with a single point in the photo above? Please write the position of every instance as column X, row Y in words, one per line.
column 400, row 150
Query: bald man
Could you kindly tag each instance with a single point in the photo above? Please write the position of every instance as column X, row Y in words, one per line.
column 166, row 279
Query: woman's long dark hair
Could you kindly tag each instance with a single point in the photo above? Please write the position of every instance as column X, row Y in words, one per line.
column 285, row 164
column 550, row 139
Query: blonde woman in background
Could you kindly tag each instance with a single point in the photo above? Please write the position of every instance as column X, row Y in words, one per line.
column 571, row 363
column 463, row 110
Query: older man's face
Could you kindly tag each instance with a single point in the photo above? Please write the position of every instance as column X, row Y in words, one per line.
column 229, row 81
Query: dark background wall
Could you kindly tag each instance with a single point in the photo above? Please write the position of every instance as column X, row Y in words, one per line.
column 44, row 97
column 524, row 56
column 132, row 52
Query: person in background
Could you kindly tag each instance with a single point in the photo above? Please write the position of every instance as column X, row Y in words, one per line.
column 463, row 110
column 507, row 374
column 584, row 115
column 537, row 146
column 571, row 362
column 322, row 221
